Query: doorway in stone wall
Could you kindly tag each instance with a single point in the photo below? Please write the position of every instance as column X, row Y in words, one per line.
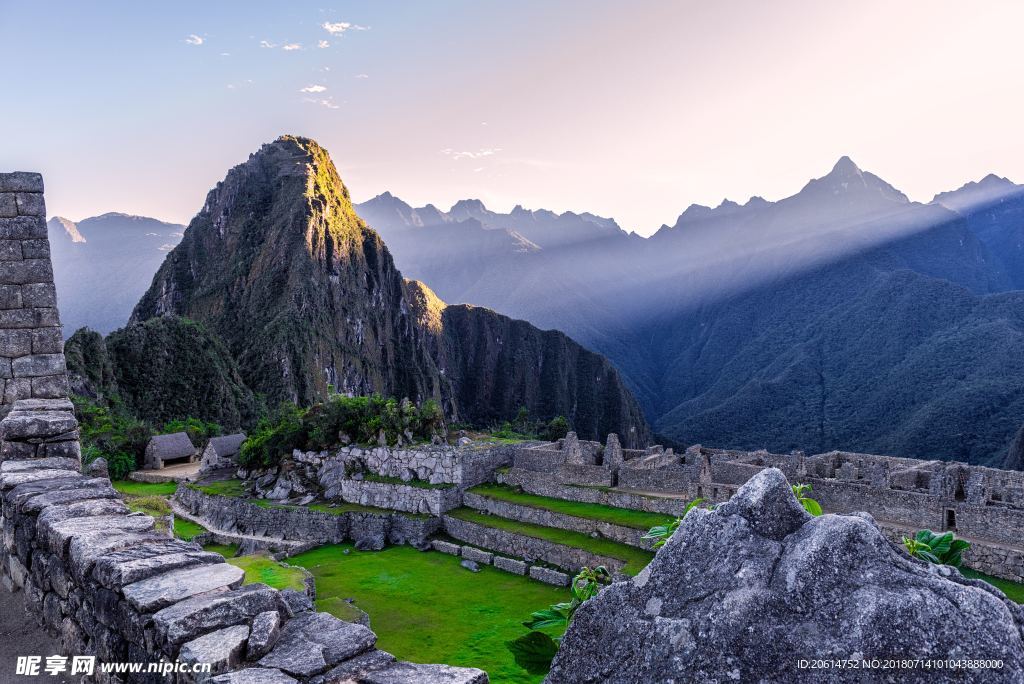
column 950, row 520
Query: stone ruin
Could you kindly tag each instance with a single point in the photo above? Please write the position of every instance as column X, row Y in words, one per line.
column 983, row 505
column 759, row 591
column 102, row 579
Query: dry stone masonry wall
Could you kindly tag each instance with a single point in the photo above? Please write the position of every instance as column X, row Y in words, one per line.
column 101, row 578
column 31, row 345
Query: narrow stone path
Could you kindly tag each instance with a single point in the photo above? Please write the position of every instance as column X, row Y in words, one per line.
column 21, row 635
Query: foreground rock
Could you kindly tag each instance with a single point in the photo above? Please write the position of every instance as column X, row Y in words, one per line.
column 749, row 591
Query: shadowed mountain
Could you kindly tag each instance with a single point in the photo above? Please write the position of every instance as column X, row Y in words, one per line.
column 305, row 296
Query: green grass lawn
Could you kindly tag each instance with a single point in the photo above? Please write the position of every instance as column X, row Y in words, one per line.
column 223, row 488
column 186, row 529
column 617, row 516
column 133, row 488
column 1013, row 590
column 425, row 608
column 636, row 559
column 226, row 550
column 261, row 568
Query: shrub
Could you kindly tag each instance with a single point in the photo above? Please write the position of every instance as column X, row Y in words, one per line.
column 940, row 549
column 809, row 504
column 557, row 429
column 111, row 433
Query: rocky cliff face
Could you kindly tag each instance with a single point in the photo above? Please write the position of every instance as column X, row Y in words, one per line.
column 306, row 296
column 162, row 369
column 745, row 592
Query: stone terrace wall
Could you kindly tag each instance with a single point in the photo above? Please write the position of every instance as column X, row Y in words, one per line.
column 31, row 344
column 542, row 484
column 295, row 523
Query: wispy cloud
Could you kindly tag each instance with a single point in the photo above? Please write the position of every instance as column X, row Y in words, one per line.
column 267, row 44
column 292, row 46
column 338, row 28
column 193, row 39
column 362, row 75
column 323, row 44
column 313, row 89
column 468, row 154
column 327, row 102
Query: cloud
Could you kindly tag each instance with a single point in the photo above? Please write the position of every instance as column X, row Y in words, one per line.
column 362, row 75
column 193, row 39
column 165, row 248
column 292, row 46
column 267, row 44
column 323, row 44
column 313, row 89
column 479, row 154
column 327, row 102
column 340, row 27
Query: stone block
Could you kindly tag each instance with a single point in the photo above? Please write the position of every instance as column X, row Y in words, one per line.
column 35, row 249
column 255, row 675
column 63, row 404
column 38, row 365
column 162, row 590
column 5, row 368
column 39, row 294
column 47, row 341
column 71, row 449
column 16, row 451
column 446, row 547
column 35, row 424
column 10, row 297
column 117, row 568
column 404, row 673
column 264, row 633
column 470, row 553
column 31, row 204
column 18, row 318
column 19, row 388
column 224, row 649
column 21, row 181
column 187, row 619
column 8, row 205
column 312, row 642
column 549, row 576
column 58, row 535
column 516, row 567
column 50, row 387
column 10, row 250
column 26, row 271
column 15, row 342
column 43, row 317
column 22, row 228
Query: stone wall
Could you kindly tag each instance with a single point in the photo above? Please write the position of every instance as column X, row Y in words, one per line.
column 519, row 545
column 423, row 500
column 296, row 523
column 542, row 484
column 540, row 516
column 31, row 344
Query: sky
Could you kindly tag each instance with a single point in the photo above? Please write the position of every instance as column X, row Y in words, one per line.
column 630, row 110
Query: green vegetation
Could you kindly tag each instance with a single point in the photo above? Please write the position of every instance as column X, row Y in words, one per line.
column 617, row 516
column 233, row 487
column 809, row 504
column 941, row 549
column 1013, row 590
column 523, row 427
column 226, row 550
column 662, row 533
column 155, row 506
column 535, row 650
column 635, row 559
column 111, row 433
column 259, row 568
column 339, row 420
column 427, row 609
column 186, row 529
column 132, row 488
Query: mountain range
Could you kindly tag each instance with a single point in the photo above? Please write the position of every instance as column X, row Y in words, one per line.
column 278, row 282
column 845, row 316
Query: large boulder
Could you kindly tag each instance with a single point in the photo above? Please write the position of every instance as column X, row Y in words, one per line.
column 757, row 590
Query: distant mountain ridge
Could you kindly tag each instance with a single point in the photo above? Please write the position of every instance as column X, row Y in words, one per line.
column 103, row 264
column 307, row 298
column 845, row 316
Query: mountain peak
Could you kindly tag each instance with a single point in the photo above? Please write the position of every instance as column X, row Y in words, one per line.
column 69, row 227
column 845, row 167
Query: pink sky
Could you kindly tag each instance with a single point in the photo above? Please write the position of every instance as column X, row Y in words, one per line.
column 629, row 110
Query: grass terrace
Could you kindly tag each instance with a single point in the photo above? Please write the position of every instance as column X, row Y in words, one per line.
column 1013, row 590
column 425, row 608
column 639, row 520
column 635, row 559
column 133, row 488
